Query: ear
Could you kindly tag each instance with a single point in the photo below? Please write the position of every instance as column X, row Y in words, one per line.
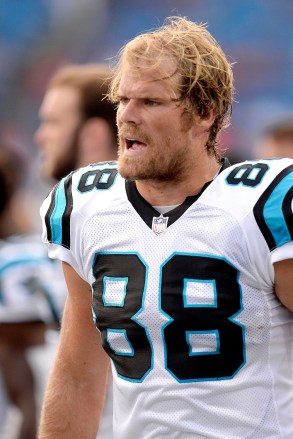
column 206, row 122
column 93, row 133
column 94, row 141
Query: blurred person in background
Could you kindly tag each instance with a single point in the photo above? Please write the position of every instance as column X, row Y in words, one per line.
column 276, row 140
column 32, row 296
column 78, row 127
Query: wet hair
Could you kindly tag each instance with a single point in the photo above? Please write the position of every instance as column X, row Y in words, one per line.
column 206, row 74
column 92, row 82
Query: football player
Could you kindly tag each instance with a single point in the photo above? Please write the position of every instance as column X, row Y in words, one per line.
column 183, row 263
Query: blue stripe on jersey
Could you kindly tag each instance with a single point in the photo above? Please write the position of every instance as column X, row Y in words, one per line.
column 273, row 211
column 57, row 214
column 25, row 261
column 40, row 285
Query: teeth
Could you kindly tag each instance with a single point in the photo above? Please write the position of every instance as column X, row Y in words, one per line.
column 133, row 143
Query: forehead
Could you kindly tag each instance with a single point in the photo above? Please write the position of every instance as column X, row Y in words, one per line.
column 60, row 99
column 141, row 80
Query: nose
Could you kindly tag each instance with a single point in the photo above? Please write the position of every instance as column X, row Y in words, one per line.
column 128, row 113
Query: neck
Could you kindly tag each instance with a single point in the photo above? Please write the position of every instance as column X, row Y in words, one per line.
column 14, row 220
column 167, row 193
column 7, row 226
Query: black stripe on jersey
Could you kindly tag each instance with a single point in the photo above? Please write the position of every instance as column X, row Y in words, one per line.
column 49, row 213
column 65, row 220
column 67, row 212
column 147, row 212
column 287, row 211
column 258, row 209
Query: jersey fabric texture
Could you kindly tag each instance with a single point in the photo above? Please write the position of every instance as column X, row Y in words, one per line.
column 184, row 302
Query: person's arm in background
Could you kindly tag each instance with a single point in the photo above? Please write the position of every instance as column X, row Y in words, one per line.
column 18, row 376
column 284, row 282
column 77, row 384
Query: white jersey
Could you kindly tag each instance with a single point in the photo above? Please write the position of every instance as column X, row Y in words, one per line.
column 200, row 345
column 32, row 287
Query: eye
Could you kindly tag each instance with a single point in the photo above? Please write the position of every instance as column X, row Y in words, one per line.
column 122, row 101
column 151, row 102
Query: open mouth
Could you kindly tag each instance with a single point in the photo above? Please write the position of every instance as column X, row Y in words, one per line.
column 134, row 144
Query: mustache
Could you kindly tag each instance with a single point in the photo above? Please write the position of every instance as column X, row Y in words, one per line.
column 133, row 132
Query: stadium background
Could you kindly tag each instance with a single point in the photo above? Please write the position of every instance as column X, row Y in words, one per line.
column 38, row 36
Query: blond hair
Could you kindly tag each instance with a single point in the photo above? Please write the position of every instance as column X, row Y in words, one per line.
column 206, row 75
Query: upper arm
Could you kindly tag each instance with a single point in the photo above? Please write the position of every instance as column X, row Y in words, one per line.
column 284, row 282
column 77, row 384
column 80, row 349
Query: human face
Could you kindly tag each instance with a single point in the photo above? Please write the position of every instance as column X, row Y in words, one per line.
column 154, row 130
column 58, row 131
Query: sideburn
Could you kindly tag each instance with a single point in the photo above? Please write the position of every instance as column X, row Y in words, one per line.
column 69, row 162
column 186, row 120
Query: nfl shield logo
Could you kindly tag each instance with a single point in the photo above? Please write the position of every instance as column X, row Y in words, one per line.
column 159, row 224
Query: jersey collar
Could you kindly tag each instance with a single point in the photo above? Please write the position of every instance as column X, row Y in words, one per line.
column 147, row 212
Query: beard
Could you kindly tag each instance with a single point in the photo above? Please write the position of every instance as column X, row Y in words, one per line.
column 67, row 162
column 163, row 161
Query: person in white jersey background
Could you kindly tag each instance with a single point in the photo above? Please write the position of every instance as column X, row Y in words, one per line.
column 179, row 267
column 32, row 296
column 78, row 127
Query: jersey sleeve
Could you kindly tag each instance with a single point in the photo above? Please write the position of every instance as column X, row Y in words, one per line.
column 61, row 230
column 73, row 202
column 274, row 215
column 258, row 194
column 281, row 253
column 31, row 285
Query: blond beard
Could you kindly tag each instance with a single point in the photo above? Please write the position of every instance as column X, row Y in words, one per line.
column 157, row 166
column 167, row 166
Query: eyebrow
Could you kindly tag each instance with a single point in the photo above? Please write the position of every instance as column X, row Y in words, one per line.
column 150, row 98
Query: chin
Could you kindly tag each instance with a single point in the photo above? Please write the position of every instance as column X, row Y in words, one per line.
column 133, row 171
column 126, row 169
column 127, row 173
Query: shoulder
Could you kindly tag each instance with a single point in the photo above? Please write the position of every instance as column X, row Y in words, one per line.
column 252, row 178
column 261, row 191
column 84, row 183
column 252, row 172
column 77, row 197
column 31, row 285
column 22, row 256
column 21, row 248
column 97, row 176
